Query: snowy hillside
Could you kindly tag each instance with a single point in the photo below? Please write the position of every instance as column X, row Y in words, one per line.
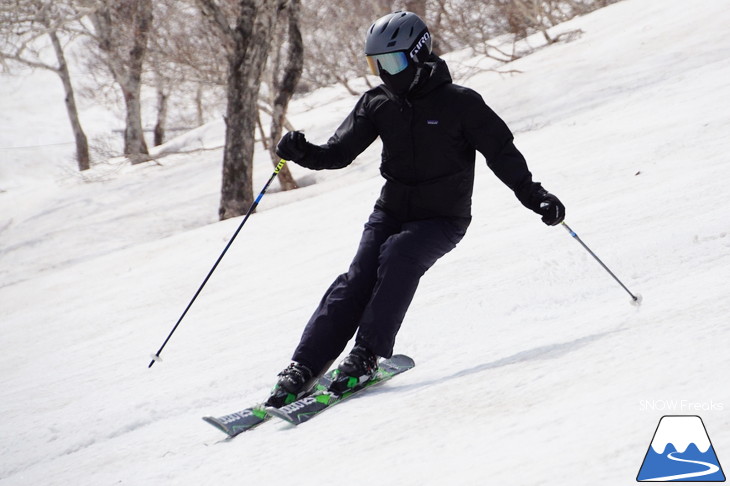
column 532, row 367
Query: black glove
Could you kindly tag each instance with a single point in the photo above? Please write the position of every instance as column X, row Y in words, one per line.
column 292, row 146
column 549, row 206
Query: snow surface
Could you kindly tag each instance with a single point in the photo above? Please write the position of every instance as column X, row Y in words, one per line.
column 532, row 367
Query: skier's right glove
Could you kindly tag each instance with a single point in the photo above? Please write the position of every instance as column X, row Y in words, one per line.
column 292, row 146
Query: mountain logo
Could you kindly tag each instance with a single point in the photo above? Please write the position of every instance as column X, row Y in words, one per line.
column 681, row 451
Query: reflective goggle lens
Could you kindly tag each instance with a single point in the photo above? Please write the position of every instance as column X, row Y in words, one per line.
column 392, row 62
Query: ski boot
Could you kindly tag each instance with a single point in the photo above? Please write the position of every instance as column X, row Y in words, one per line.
column 294, row 382
column 358, row 367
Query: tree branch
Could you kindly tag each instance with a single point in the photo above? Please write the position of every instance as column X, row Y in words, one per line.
column 27, row 62
column 218, row 19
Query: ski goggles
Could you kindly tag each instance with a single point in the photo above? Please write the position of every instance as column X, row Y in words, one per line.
column 392, row 62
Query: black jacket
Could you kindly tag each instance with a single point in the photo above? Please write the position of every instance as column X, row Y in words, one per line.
column 430, row 141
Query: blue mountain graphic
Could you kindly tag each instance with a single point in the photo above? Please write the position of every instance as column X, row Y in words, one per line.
column 666, row 464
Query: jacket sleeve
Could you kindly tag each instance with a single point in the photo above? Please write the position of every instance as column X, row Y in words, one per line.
column 353, row 136
column 488, row 133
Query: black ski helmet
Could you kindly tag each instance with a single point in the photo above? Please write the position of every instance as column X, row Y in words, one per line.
column 402, row 34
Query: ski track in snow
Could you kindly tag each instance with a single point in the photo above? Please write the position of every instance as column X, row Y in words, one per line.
column 530, row 359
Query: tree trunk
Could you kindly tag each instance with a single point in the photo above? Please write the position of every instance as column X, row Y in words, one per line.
column 199, row 106
column 126, row 61
column 251, row 41
column 162, row 98
column 284, row 90
column 134, row 141
column 82, row 144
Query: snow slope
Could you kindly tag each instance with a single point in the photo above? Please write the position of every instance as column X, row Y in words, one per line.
column 532, row 368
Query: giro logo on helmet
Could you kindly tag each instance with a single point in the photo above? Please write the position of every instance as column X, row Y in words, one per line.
column 419, row 45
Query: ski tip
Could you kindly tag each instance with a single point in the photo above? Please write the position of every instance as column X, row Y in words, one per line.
column 215, row 423
column 275, row 412
column 401, row 360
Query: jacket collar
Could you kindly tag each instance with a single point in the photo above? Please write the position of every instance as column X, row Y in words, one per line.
column 437, row 74
column 434, row 73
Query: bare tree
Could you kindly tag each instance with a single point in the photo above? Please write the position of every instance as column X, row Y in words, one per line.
column 432, row 12
column 185, row 63
column 475, row 25
column 418, row 7
column 164, row 74
column 527, row 16
column 163, row 103
column 284, row 85
column 464, row 23
column 244, row 30
column 121, row 30
column 22, row 26
column 167, row 75
column 335, row 40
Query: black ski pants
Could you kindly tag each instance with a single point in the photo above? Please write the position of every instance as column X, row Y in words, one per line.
column 373, row 296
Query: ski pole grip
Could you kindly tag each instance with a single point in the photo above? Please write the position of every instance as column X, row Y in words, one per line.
column 279, row 166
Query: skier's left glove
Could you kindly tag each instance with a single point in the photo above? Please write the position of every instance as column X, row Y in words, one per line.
column 549, row 206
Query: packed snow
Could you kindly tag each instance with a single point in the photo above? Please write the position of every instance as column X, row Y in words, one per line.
column 531, row 366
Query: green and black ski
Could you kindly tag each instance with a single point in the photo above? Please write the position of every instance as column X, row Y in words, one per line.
column 305, row 408
column 249, row 418
column 321, row 399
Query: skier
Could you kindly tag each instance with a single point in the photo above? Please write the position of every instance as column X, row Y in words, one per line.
column 430, row 129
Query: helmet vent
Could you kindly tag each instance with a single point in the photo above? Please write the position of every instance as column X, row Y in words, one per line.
column 395, row 34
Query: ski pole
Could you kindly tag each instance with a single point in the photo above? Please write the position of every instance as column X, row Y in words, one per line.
column 635, row 298
column 280, row 165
